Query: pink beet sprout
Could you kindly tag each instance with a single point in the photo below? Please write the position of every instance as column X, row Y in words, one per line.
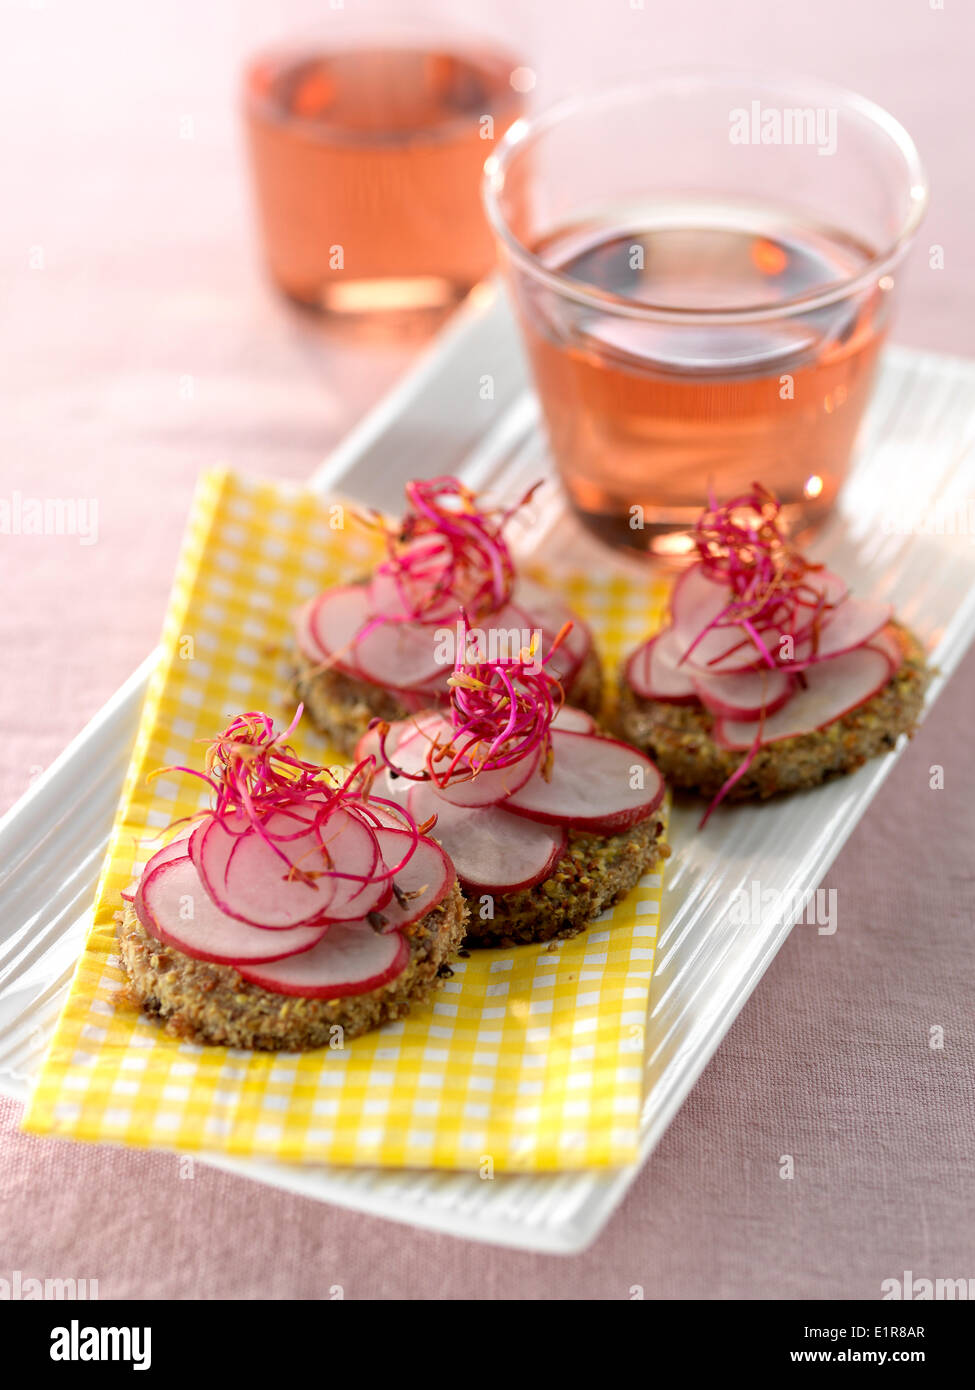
column 253, row 773
column 447, row 554
column 500, row 713
column 742, row 545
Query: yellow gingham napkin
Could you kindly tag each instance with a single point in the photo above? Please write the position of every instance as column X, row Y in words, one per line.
column 527, row 1059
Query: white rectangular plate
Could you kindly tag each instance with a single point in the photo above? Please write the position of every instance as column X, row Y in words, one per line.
column 904, row 532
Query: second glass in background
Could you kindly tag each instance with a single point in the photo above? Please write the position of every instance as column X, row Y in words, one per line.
column 367, row 145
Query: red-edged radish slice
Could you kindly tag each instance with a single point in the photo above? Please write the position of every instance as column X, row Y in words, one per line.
column 420, row 884
column 653, row 673
column 405, row 654
column 383, row 817
column 856, row 622
column 833, row 688
column 390, row 783
column 407, row 745
column 744, row 694
column 547, row 611
column 409, row 741
column 351, row 958
column 492, row 851
column 504, row 634
column 827, row 586
column 730, row 650
column 248, row 879
column 469, row 789
column 336, row 619
column 176, row 909
column 574, row 721
column 429, row 559
column 368, row 747
column 393, row 788
column 590, row 787
column 886, row 642
column 546, row 615
column 175, row 849
column 696, row 602
column 308, row 643
column 424, row 697
column 492, row 786
column 369, row 743
column 543, row 610
column 357, row 894
column 196, row 839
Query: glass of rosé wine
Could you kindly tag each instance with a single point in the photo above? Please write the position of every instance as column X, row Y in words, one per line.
column 703, row 267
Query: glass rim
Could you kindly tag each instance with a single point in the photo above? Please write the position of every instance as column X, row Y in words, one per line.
column 527, row 129
column 332, row 134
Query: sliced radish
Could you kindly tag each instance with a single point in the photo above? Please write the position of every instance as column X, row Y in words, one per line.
column 886, row 642
column 196, row 839
column 369, row 743
column 695, row 603
column 392, row 784
column 654, row 674
column 409, row 741
column 411, row 752
column 345, row 834
column 730, row 650
column 506, row 633
column 855, row 622
column 429, row 560
column 336, row 619
column 833, row 688
column 420, row 884
column 423, row 697
column 305, row 636
column 574, row 721
column 175, row 908
column 394, row 788
column 491, row 786
column 492, row 851
column 827, row 585
column 590, row 786
column 365, row 630
column 698, row 600
column 744, row 694
column 513, row 627
column 397, row 654
column 352, row 958
column 368, row 746
column 384, row 817
column 547, row 611
column 540, row 609
column 175, row 849
column 248, row 879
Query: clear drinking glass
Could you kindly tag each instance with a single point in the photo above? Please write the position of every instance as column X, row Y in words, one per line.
column 703, row 267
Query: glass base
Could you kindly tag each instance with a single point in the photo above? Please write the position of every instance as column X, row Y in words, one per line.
column 353, row 299
column 667, row 536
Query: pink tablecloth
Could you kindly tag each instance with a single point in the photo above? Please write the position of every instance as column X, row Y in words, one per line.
column 140, row 345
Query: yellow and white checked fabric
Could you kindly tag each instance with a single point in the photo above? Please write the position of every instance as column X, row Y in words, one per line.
column 528, row 1059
